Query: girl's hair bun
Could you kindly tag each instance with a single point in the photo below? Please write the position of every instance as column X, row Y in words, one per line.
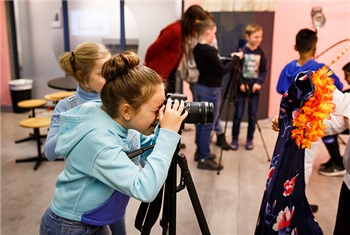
column 119, row 64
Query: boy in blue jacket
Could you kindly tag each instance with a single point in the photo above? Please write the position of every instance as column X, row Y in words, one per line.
column 306, row 42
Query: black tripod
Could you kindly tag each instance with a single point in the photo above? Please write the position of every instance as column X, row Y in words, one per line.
column 148, row 213
column 231, row 91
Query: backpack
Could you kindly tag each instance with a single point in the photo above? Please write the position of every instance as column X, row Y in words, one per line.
column 187, row 69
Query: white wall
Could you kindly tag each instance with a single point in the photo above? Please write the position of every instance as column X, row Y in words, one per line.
column 151, row 18
column 37, row 59
column 38, row 41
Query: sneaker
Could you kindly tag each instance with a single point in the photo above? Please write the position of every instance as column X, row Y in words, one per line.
column 249, row 145
column 335, row 169
column 197, row 157
column 209, row 165
column 221, row 141
column 313, row 208
column 234, row 144
column 326, row 164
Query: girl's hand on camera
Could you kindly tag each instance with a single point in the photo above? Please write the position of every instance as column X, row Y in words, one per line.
column 171, row 116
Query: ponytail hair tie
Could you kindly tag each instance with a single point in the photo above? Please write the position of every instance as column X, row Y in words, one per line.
column 72, row 61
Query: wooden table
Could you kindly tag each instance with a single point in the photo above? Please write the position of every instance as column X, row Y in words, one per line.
column 63, row 83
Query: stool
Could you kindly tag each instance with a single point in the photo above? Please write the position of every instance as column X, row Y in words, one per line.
column 36, row 123
column 57, row 96
column 30, row 104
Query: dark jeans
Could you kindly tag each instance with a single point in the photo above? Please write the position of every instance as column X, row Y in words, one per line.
column 253, row 102
column 342, row 222
column 332, row 145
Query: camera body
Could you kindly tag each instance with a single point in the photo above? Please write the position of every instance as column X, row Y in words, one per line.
column 198, row 112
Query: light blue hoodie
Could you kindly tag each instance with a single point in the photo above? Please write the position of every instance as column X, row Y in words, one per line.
column 99, row 177
column 81, row 96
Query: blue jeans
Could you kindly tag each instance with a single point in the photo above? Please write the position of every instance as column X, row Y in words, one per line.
column 218, row 127
column 203, row 131
column 52, row 224
column 252, row 109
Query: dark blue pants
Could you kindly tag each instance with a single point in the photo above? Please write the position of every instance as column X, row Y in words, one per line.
column 253, row 102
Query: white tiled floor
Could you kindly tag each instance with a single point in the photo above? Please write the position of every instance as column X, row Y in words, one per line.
column 230, row 200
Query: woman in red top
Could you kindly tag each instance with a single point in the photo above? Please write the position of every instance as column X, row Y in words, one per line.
column 164, row 55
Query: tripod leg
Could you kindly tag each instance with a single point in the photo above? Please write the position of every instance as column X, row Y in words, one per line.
column 148, row 213
column 185, row 173
column 231, row 90
column 257, row 124
column 168, row 221
column 225, row 128
column 228, row 88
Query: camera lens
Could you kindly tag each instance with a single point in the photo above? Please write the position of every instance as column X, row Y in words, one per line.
column 199, row 112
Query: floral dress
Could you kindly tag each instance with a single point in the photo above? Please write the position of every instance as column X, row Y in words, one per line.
column 284, row 208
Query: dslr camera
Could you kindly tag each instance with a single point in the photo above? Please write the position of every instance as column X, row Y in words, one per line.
column 198, row 112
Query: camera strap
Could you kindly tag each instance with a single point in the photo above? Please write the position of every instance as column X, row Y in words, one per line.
column 148, row 213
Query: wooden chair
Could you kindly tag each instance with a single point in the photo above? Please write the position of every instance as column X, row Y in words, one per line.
column 36, row 123
column 31, row 104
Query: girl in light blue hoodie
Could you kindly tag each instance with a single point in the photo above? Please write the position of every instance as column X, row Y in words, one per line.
column 84, row 64
column 99, row 178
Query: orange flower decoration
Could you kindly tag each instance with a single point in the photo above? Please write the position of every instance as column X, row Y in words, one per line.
column 308, row 124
